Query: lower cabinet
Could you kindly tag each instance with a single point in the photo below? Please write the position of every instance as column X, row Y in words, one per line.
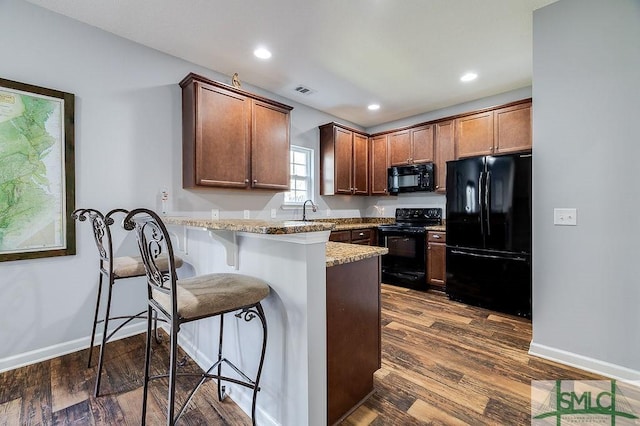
column 436, row 259
column 365, row 236
column 353, row 335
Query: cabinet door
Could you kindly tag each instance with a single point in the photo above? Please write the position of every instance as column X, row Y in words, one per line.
column 270, row 147
column 343, row 160
column 436, row 259
column 474, row 135
column 512, row 127
column 378, row 165
column 436, row 253
column 443, row 151
column 360, row 164
column 422, row 144
column 400, row 148
column 222, row 144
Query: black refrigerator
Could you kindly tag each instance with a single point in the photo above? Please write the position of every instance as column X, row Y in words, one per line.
column 489, row 232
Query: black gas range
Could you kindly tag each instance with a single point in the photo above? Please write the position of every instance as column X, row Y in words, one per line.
column 406, row 263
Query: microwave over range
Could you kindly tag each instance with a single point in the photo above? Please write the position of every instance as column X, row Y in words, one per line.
column 413, row 178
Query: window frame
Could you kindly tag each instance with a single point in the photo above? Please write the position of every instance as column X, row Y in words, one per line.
column 308, row 152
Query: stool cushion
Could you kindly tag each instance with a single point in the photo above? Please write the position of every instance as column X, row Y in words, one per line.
column 212, row 294
column 133, row 266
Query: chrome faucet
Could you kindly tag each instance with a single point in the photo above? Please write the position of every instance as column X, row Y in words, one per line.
column 304, row 209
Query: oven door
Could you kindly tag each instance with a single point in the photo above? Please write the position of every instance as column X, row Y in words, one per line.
column 405, row 264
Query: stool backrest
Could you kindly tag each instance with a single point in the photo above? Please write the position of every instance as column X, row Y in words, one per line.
column 154, row 242
column 101, row 233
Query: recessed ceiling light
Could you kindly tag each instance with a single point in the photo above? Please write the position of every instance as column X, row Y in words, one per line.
column 262, row 53
column 373, row 107
column 470, row 76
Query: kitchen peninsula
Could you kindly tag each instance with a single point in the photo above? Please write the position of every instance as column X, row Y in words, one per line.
column 309, row 295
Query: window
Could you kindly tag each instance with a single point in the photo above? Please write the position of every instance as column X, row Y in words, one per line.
column 301, row 185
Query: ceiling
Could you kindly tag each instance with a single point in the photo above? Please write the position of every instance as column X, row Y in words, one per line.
column 408, row 56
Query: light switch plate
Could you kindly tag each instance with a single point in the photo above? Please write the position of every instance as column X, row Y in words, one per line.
column 565, row 217
column 215, row 214
column 246, row 214
column 273, row 213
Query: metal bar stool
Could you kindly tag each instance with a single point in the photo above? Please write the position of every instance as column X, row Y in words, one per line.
column 109, row 272
column 180, row 301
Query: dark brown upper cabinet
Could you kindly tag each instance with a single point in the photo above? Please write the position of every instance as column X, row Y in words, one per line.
column 411, row 146
column 443, row 151
column 232, row 138
column 344, row 161
column 497, row 131
column 378, row 165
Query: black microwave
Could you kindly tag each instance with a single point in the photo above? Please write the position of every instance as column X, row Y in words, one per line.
column 413, row 178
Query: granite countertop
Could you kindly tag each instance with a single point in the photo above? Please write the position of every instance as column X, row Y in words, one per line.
column 286, row 227
column 340, row 253
column 251, row 225
column 349, row 223
column 346, row 224
column 350, row 226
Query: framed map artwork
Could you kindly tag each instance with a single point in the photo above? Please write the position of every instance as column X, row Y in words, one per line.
column 37, row 175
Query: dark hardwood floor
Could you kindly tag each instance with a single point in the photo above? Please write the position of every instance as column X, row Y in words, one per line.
column 446, row 363
column 442, row 363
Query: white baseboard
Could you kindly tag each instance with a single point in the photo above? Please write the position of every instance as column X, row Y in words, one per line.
column 585, row 363
column 43, row 354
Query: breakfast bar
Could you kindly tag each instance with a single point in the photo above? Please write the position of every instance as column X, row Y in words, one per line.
column 296, row 260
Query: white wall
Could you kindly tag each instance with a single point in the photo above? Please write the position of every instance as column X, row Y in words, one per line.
column 586, row 284
column 128, row 105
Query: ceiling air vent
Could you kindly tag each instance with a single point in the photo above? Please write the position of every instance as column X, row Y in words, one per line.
column 303, row 90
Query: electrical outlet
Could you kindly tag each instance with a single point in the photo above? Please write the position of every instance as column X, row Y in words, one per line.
column 215, row 214
column 273, row 213
column 328, row 212
column 565, row 217
column 247, row 215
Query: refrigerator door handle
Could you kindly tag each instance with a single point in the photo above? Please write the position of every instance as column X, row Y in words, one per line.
column 480, row 203
column 487, row 206
column 488, row 256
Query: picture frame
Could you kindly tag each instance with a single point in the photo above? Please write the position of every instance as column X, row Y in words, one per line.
column 37, row 172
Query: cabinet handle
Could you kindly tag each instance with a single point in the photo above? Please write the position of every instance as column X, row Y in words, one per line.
column 436, row 236
column 437, row 186
column 255, row 181
column 246, row 181
column 361, row 234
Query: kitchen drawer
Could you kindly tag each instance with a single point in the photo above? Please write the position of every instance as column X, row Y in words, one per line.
column 340, row 236
column 361, row 234
column 436, row 237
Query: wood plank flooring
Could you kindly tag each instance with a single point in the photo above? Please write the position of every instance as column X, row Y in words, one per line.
column 443, row 363
column 446, row 363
